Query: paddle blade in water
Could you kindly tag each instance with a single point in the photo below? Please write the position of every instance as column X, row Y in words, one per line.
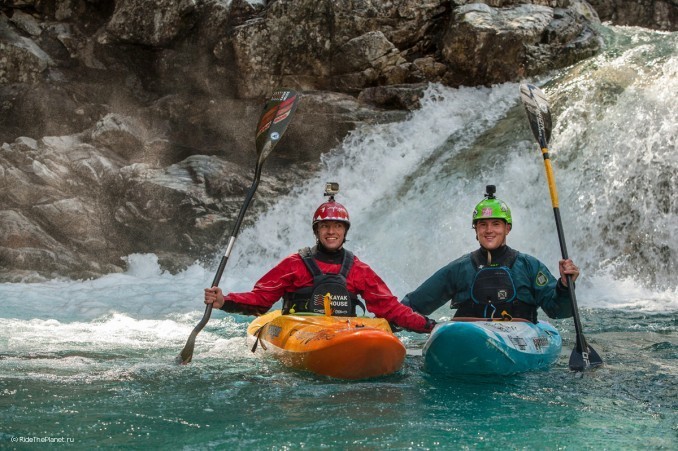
column 277, row 115
column 186, row 354
column 580, row 362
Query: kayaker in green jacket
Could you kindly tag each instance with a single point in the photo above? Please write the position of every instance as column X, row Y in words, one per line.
column 495, row 281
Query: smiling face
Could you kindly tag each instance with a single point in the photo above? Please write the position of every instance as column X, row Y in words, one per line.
column 331, row 234
column 491, row 233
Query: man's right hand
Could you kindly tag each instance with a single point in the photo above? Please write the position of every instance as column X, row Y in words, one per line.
column 215, row 297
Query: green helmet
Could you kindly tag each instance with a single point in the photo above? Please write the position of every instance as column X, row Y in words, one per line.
column 491, row 208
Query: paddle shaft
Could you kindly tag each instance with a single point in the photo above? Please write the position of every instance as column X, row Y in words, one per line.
column 581, row 345
column 536, row 105
column 277, row 114
column 187, row 353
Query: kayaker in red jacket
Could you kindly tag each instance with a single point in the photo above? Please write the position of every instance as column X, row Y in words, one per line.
column 337, row 272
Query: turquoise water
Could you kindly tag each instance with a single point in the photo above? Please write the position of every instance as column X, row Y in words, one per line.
column 135, row 397
column 90, row 364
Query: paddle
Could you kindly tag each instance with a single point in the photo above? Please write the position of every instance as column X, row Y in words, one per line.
column 273, row 122
column 583, row 355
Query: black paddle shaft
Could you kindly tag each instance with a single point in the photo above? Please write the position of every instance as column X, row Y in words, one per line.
column 581, row 341
column 187, row 353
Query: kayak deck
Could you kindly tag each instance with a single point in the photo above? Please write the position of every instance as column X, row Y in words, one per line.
column 478, row 346
column 339, row 347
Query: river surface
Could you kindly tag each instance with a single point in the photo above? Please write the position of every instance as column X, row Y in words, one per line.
column 91, row 364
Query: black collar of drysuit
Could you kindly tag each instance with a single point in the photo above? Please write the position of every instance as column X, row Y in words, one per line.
column 324, row 255
column 499, row 255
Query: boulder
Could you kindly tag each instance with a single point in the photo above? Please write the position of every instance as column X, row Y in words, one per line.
column 127, row 126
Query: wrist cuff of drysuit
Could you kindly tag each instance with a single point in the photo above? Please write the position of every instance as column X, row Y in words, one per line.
column 560, row 286
column 244, row 309
column 428, row 327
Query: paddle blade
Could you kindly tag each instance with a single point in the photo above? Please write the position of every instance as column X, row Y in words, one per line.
column 580, row 361
column 538, row 113
column 186, row 354
column 277, row 114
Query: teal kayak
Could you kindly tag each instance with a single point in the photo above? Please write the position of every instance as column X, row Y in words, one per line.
column 478, row 346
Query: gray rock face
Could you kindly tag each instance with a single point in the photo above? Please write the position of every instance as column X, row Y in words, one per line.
column 655, row 14
column 128, row 125
column 514, row 42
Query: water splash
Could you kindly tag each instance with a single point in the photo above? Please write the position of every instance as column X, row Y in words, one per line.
column 616, row 142
column 410, row 188
column 98, row 355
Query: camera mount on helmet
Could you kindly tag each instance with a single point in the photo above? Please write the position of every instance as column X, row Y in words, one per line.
column 331, row 188
column 491, row 208
column 331, row 210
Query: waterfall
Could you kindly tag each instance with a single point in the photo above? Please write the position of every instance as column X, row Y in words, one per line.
column 410, row 187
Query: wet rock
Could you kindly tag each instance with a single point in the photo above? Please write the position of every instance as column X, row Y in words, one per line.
column 127, row 126
column 494, row 45
column 655, row 14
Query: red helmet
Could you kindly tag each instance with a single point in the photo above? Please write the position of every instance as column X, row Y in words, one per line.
column 331, row 211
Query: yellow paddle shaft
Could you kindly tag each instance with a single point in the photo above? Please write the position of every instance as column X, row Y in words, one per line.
column 550, row 178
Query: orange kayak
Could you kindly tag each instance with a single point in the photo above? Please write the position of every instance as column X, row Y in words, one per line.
column 339, row 347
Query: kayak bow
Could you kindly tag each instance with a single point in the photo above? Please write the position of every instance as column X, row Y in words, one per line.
column 479, row 346
column 338, row 347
